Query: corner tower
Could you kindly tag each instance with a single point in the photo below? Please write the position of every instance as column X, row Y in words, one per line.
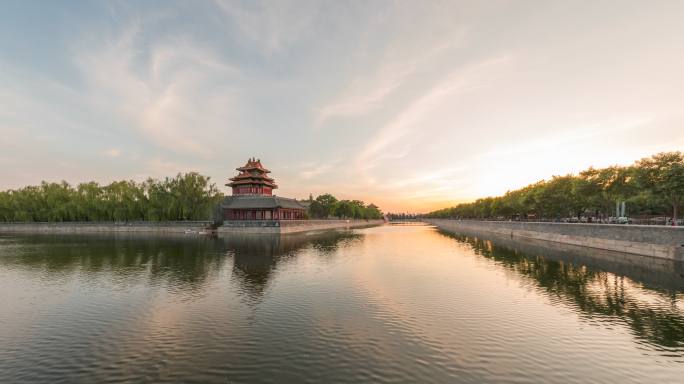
column 252, row 180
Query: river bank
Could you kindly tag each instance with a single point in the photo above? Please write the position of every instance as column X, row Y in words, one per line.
column 290, row 226
column 106, row 227
column 185, row 227
column 654, row 241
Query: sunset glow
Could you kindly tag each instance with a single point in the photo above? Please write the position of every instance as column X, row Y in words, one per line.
column 412, row 106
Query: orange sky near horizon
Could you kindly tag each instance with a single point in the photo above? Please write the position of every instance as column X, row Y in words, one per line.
column 412, row 106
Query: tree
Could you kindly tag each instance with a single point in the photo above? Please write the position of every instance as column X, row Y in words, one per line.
column 344, row 209
column 663, row 174
column 647, row 186
column 583, row 196
column 324, row 205
column 189, row 196
column 373, row 212
column 327, row 205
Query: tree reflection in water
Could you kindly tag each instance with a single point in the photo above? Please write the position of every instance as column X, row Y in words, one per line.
column 179, row 263
column 184, row 264
column 599, row 287
column 645, row 297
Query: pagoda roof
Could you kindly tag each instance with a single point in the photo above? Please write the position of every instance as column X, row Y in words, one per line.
column 253, row 164
column 247, row 175
column 259, row 202
column 252, row 181
column 253, row 172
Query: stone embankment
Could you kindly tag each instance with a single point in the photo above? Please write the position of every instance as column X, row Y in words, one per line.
column 98, row 227
column 655, row 241
column 290, row 226
column 195, row 227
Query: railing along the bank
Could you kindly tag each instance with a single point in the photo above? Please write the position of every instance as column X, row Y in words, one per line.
column 659, row 220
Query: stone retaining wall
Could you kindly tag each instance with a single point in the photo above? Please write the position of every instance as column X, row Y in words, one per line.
column 652, row 271
column 284, row 226
column 294, row 226
column 157, row 227
column 656, row 241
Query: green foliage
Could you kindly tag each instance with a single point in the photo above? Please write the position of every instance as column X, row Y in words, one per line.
column 652, row 186
column 327, row 206
column 323, row 206
column 188, row 196
column 663, row 175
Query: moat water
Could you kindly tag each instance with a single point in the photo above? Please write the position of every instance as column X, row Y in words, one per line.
column 396, row 303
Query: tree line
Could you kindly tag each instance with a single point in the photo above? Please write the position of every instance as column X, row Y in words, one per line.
column 188, row 196
column 327, row 206
column 651, row 186
column 402, row 216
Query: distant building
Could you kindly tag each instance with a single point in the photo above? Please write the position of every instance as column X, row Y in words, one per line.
column 253, row 197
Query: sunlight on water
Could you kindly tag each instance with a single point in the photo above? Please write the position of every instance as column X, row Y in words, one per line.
column 384, row 304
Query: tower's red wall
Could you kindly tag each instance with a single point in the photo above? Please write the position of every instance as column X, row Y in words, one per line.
column 241, row 190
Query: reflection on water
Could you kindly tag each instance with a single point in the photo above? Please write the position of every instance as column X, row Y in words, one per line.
column 255, row 257
column 610, row 296
column 386, row 304
column 184, row 263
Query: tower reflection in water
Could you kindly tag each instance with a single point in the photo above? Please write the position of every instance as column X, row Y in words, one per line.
column 257, row 257
column 601, row 286
column 179, row 263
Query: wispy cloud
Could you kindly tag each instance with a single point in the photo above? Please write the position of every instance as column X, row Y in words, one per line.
column 176, row 93
column 405, row 104
column 271, row 25
column 408, row 122
column 312, row 170
column 562, row 137
column 372, row 89
column 366, row 94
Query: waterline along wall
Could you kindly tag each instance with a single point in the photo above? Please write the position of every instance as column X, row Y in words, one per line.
column 655, row 241
column 229, row 227
column 290, row 226
column 105, row 227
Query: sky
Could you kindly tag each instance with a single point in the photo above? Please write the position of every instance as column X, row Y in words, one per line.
column 411, row 105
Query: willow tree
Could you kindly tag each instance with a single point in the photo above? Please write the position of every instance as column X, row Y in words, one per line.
column 188, row 196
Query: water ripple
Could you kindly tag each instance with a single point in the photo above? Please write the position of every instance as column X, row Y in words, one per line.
column 388, row 304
